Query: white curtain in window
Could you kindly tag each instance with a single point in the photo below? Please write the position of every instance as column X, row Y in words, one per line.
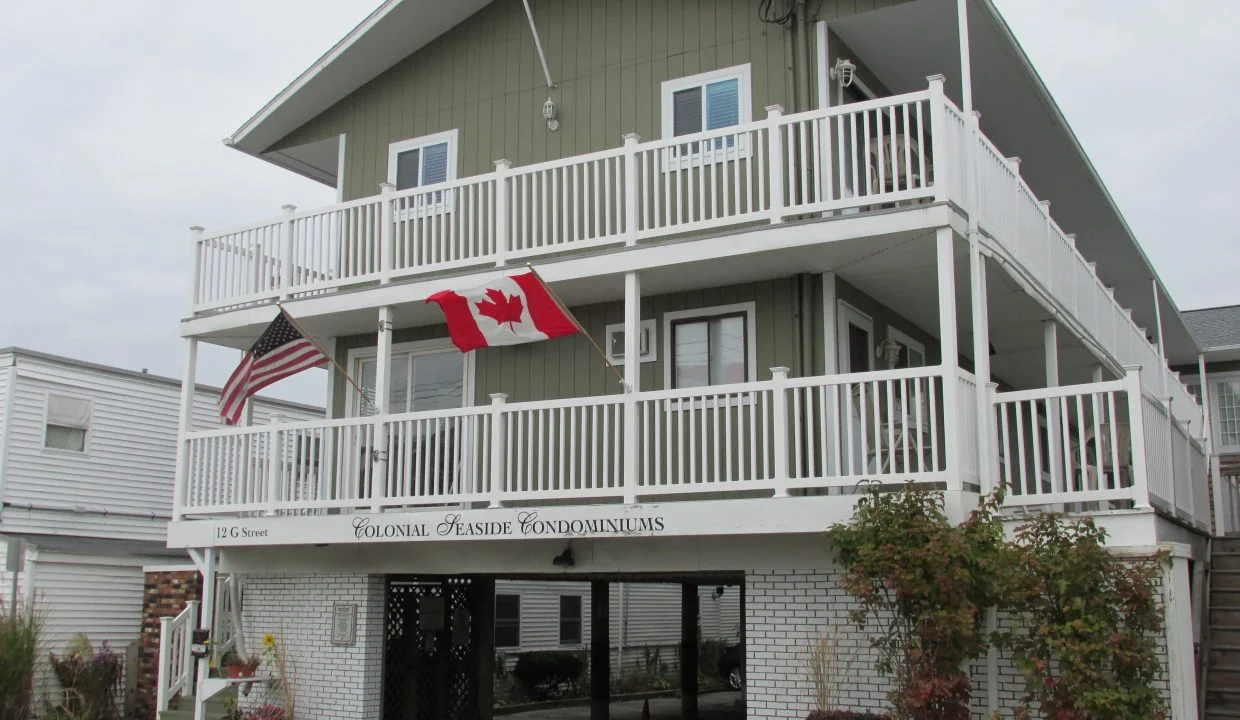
column 68, row 411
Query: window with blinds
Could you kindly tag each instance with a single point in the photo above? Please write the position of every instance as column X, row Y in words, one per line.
column 705, row 102
column 421, row 162
column 67, row 424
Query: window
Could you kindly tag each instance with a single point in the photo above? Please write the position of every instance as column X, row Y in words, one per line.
column 507, row 621
column 709, row 101
column 713, row 346
column 425, row 376
column 570, row 619
column 68, row 421
column 645, row 343
column 1227, row 400
column 422, row 161
column 912, row 353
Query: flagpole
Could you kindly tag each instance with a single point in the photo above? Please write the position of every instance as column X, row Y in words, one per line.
column 319, row 347
column 564, row 309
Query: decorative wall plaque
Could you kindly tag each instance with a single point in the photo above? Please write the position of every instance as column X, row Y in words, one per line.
column 344, row 624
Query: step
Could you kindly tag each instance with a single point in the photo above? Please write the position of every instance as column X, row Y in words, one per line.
column 1224, row 597
column 215, row 708
column 1224, row 636
column 1224, row 616
column 1224, row 561
column 1225, row 580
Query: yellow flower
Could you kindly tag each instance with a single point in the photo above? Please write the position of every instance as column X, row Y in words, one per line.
column 269, row 640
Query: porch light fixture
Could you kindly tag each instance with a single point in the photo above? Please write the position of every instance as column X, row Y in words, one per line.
column 564, row 559
column 889, row 352
column 549, row 115
column 844, row 71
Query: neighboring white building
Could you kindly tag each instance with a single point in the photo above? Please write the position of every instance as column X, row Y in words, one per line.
column 87, row 461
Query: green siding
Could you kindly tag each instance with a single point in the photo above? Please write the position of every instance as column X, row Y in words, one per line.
column 788, row 331
column 607, row 58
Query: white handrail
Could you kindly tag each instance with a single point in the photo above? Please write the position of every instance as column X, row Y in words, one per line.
column 176, row 663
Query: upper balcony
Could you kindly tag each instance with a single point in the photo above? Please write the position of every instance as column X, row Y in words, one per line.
column 828, row 165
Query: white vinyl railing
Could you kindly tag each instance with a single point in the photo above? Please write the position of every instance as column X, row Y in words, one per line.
column 771, row 436
column 1021, row 225
column 1108, row 444
column 176, row 663
column 867, row 154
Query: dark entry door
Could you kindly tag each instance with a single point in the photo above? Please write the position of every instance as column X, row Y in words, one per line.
column 431, row 663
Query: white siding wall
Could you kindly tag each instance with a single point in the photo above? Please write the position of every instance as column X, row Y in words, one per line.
column 129, row 462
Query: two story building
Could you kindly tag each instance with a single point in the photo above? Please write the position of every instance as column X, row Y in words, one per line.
column 87, row 461
column 824, row 244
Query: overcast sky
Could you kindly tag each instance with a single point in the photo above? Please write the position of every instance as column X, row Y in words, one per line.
column 113, row 114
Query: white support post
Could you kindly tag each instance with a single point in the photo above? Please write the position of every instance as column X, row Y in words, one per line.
column 185, row 425
column 779, row 428
column 1181, row 670
column 1163, row 371
column 211, row 558
column 950, row 342
column 195, row 281
column 498, row 437
column 286, row 253
column 387, row 232
column 829, row 333
column 275, row 465
column 775, row 161
column 1054, row 437
column 980, row 313
column 1136, row 432
column 938, row 138
column 966, row 64
column 632, row 203
column 632, row 380
column 503, row 213
column 383, row 384
column 165, row 664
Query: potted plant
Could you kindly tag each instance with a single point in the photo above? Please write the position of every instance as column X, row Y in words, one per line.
column 239, row 667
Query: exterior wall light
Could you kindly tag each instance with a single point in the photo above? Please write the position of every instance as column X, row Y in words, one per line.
column 889, row 352
column 844, row 71
column 549, row 115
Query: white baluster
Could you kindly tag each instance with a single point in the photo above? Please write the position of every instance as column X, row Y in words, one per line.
column 779, row 427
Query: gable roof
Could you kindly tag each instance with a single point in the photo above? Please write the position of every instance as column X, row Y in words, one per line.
column 395, row 30
column 1215, row 328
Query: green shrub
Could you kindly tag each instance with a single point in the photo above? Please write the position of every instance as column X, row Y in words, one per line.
column 20, row 628
column 543, row 675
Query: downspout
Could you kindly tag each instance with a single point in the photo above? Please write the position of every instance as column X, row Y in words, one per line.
column 542, row 56
column 807, row 57
column 1162, row 349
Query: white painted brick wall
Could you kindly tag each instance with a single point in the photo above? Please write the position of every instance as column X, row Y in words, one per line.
column 787, row 610
column 332, row 682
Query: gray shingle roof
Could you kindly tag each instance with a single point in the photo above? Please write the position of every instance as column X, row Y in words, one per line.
column 1214, row 328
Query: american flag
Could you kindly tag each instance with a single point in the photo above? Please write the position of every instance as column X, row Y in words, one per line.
column 279, row 352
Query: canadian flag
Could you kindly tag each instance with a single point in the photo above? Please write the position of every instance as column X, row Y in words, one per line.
column 508, row 311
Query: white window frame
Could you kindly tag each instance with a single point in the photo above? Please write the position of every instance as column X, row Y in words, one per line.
column 750, row 309
column 520, row 621
column 444, row 201
column 90, row 422
column 417, row 347
column 672, row 159
column 581, row 620
column 908, row 342
column 846, row 313
column 1212, row 395
column 649, row 329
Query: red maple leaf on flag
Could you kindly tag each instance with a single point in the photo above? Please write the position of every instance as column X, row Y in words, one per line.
column 502, row 308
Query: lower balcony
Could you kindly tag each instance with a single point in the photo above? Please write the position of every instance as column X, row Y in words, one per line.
column 1095, row 447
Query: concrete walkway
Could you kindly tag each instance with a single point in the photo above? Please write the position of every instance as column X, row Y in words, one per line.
column 712, row 706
